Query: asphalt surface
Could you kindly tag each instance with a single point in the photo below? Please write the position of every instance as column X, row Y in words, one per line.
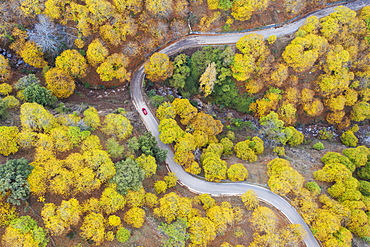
column 200, row 186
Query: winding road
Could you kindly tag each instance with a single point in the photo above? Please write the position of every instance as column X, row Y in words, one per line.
column 224, row 189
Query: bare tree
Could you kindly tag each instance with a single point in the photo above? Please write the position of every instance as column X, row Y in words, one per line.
column 51, row 37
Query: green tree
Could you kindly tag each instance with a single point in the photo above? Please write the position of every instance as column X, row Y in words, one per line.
column 128, row 176
column 123, row 235
column 114, row 148
column 181, row 71
column 25, row 81
column 38, row 94
column 13, row 180
column 176, row 234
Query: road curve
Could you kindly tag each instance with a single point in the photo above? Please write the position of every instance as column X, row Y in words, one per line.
column 224, row 189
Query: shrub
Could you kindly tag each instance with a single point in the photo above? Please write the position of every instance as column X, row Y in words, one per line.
column 348, row 138
column 123, row 235
column 318, row 146
column 25, row 81
column 11, row 102
column 279, row 151
column 313, row 187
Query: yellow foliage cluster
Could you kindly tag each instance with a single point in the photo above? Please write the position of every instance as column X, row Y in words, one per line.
column 242, row 10
column 5, row 70
column 96, row 52
column 207, row 21
column 5, row 89
column 31, row 54
column 114, row 67
column 72, row 63
column 248, row 149
column 59, row 82
column 159, row 67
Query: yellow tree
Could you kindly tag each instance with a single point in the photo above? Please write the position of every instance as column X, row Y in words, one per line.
column 96, row 52
column 242, row 9
column 169, row 131
column 72, row 63
column 263, row 220
column 35, row 117
column 159, row 67
column 202, row 230
column 215, row 169
column 303, row 52
column 222, row 216
column 24, row 231
column 93, row 228
column 135, row 217
column 111, row 201
column 148, row 163
column 8, row 140
column 32, row 54
column 185, row 110
column 117, row 32
column 91, row 117
column 159, row 7
column 114, row 67
column 5, row 70
column 207, row 124
column 250, row 200
column 58, row 219
column 244, row 151
column 117, row 125
column 207, row 79
column 134, row 6
column 243, row 66
column 283, row 178
column 237, row 172
column 59, row 82
column 165, row 110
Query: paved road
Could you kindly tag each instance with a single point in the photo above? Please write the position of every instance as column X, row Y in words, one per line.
column 224, row 189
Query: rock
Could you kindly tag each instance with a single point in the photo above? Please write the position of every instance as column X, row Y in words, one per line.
column 9, row 55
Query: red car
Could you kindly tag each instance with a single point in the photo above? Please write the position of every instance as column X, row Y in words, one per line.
column 144, row 111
